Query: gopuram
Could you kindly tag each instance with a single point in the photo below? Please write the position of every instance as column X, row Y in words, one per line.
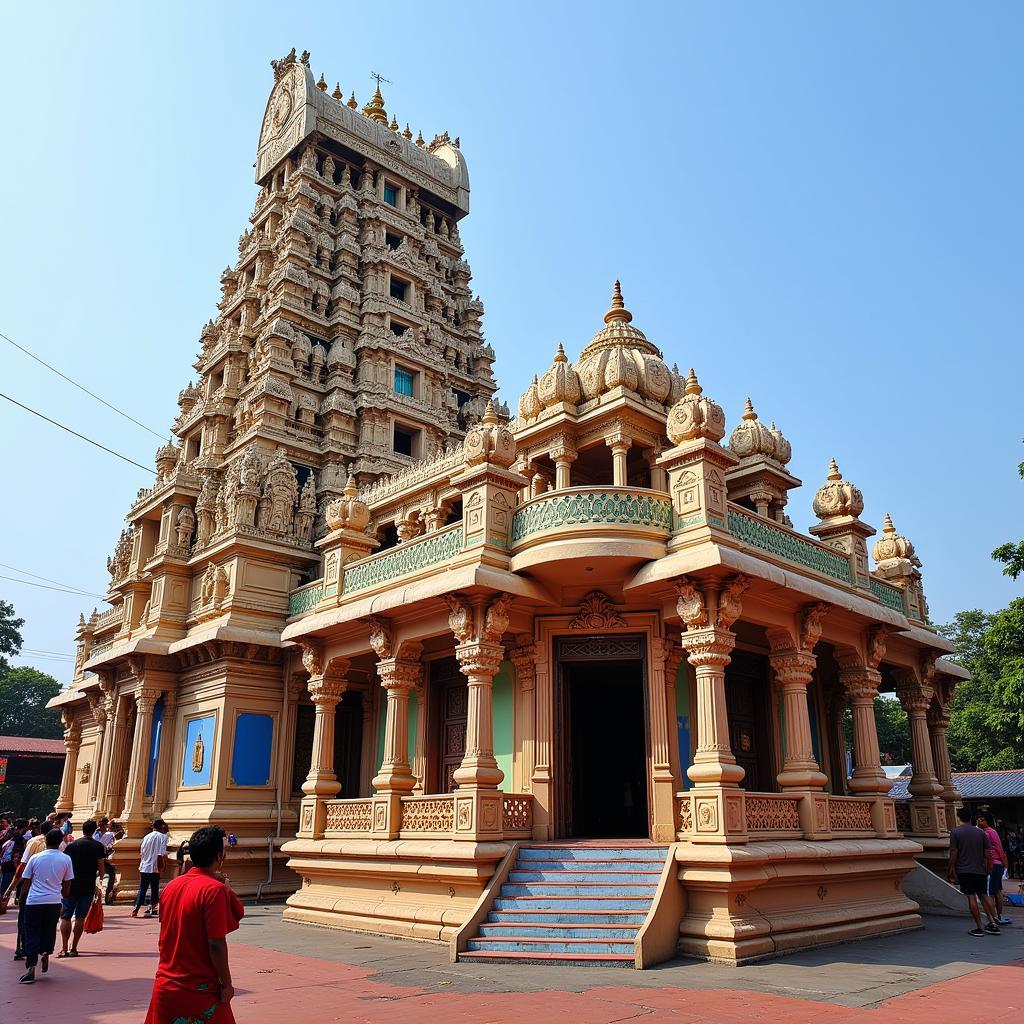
column 569, row 685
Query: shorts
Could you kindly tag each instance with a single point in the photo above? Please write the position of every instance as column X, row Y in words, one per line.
column 972, row 885
column 75, row 907
column 995, row 879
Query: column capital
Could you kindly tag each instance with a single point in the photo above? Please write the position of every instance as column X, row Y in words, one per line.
column 146, row 698
column 325, row 691
column 523, row 655
column 914, row 694
column 792, row 668
column 877, row 638
column 860, row 681
column 402, row 673
column 708, row 646
column 938, row 717
column 478, row 619
column 480, row 659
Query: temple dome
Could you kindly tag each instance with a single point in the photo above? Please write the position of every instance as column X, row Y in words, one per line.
column 892, row 545
column 560, row 384
column 837, row 497
column 620, row 355
column 529, row 402
column 751, row 438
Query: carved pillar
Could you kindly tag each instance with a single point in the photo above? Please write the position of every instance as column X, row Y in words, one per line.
column 662, row 781
column 540, row 779
column 397, row 676
column 938, row 724
column 72, row 744
column 673, row 658
column 620, row 445
column 563, row 457
column 861, row 684
column 326, row 685
column 145, row 701
column 419, row 757
column 117, row 712
column 523, row 656
column 927, row 812
column 99, row 714
column 165, row 755
column 718, row 804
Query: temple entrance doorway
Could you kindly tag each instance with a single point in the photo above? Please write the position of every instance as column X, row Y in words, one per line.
column 602, row 738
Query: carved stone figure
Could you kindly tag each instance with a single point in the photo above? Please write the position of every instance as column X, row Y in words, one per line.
column 184, row 524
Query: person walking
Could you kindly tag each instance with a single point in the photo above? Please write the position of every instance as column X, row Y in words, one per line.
column 87, row 860
column 104, row 835
column 49, row 875
column 11, row 852
column 970, row 862
column 36, row 843
column 1000, row 864
column 198, row 910
column 152, row 858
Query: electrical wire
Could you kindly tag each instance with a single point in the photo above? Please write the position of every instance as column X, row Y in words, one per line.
column 124, row 458
column 81, row 387
column 60, row 590
column 50, row 654
column 46, row 579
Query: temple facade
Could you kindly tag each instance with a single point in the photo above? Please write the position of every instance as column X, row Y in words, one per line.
column 422, row 681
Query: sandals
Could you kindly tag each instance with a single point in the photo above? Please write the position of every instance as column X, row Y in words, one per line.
column 63, row 954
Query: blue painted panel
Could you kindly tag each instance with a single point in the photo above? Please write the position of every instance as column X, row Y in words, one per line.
column 683, row 722
column 198, row 754
column 155, row 737
column 250, row 760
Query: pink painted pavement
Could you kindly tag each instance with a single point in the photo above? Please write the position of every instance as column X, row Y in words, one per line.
column 111, row 979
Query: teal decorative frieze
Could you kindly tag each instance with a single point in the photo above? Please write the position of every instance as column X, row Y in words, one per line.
column 305, row 598
column 778, row 541
column 388, row 565
column 890, row 596
column 599, row 507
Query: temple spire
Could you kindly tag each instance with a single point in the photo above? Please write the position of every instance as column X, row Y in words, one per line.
column 618, row 309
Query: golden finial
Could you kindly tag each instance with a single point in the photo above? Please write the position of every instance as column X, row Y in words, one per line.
column 322, row 84
column 887, row 526
column 748, row 412
column 420, row 141
column 374, row 110
column 692, row 386
column 560, row 356
column 352, row 101
column 490, row 417
column 407, row 134
column 350, row 487
column 833, row 470
column 618, row 310
column 338, row 94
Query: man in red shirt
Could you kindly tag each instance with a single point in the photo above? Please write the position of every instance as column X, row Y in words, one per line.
column 197, row 910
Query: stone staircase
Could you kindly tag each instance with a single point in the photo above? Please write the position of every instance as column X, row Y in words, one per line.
column 577, row 903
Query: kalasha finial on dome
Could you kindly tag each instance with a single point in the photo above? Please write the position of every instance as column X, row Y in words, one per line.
column 352, row 101
column 348, row 512
column 490, row 417
column 374, row 110
column 748, row 411
column 837, row 497
column 338, row 94
column 618, row 310
column 695, row 415
column 892, row 547
column 322, row 84
column 752, row 439
column 529, row 402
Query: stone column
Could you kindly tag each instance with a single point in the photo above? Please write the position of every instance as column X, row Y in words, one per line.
column 326, row 685
column 72, row 744
column 620, row 445
column 717, row 802
column 99, row 753
column 117, row 712
column 938, row 724
column 927, row 813
column 861, row 684
column 145, row 701
column 793, row 671
column 563, row 456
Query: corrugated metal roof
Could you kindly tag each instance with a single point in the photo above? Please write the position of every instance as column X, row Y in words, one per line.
column 31, row 745
column 976, row 785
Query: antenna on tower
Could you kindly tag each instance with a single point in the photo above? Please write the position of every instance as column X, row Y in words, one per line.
column 379, row 78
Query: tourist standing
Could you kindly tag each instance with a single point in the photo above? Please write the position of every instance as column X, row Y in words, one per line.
column 1000, row 863
column 87, row 860
column 152, row 858
column 193, row 978
column 35, row 843
column 11, row 852
column 48, row 875
column 970, row 861
column 104, row 835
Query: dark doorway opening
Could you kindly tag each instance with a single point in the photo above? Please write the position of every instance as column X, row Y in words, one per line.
column 606, row 743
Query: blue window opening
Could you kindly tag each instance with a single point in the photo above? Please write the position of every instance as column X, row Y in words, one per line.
column 403, row 382
column 391, row 195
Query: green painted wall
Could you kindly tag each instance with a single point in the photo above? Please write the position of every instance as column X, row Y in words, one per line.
column 684, row 725
column 504, row 721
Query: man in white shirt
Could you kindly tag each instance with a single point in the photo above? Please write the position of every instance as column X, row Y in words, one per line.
column 49, row 876
column 152, row 858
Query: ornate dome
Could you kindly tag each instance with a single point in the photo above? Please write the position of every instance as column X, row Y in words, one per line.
column 620, row 355
column 560, row 384
column 529, row 402
column 349, row 512
column 838, row 497
column 751, row 437
column 783, row 449
column 892, row 545
column 695, row 416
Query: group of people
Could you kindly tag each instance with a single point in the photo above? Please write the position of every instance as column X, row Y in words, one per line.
column 56, row 877
column 978, row 863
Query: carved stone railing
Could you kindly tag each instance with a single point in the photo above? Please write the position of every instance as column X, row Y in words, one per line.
column 904, row 821
column 412, row 557
column 305, row 598
column 771, row 815
column 111, row 617
column 517, row 815
column 850, row 814
column 684, row 813
column 890, row 596
column 444, row 462
column 427, row 815
column 348, row 817
column 98, row 649
column 787, row 544
column 603, row 507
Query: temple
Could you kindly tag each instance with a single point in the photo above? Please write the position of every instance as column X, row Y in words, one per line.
column 569, row 684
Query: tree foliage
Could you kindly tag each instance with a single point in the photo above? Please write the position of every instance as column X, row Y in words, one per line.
column 892, row 727
column 10, row 632
column 24, row 691
column 1010, row 554
column 986, row 731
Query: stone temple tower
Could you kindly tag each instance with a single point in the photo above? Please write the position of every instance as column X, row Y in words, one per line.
column 346, row 343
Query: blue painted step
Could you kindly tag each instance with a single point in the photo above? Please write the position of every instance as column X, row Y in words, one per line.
column 563, row 949
column 528, row 929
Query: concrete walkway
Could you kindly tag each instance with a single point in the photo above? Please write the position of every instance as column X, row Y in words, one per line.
column 286, row 972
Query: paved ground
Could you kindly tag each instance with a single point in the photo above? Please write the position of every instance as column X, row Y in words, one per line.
column 292, row 973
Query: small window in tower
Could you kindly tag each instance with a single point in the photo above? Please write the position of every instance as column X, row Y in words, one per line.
column 399, row 289
column 403, row 382
column 391, row 194
column 461, row 397
column 392, row 241
column 406, row 440
column 398, row 328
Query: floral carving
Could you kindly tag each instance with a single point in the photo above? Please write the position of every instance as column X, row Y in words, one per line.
column 690, row 604
column 380, row 636
column 460, row 617
column 517, row 813
column 597, row 612
column 773, row 814
column 848, row 814
column 433, row 814
column 349, row 816
column 811, row 625
column 730, row 607
column 496, row 619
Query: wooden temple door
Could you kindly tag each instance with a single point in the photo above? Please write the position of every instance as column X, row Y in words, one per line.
column 450, row 697
column 747, row 699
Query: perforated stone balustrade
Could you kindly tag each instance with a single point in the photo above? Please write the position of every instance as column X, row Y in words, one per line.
column 607, row 506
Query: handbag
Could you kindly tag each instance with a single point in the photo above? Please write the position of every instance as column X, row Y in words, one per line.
column 94, row 918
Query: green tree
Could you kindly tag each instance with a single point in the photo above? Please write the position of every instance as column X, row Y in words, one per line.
column 10, row 633
column 24, row 693
column 892, row 727
column 1010, row 554
column 986, row 731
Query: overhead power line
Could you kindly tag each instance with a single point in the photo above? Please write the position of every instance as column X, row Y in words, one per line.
column 46, row 579
column 81, row 387
column 103, row 447
column 64, row 659
column 60, row 590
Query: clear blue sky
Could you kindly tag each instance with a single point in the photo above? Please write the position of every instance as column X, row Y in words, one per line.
column 818, row 205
